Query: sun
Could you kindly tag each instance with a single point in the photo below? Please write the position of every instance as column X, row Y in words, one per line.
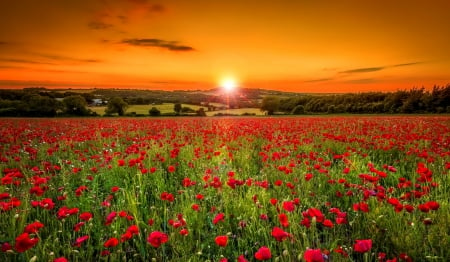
column 228, row 84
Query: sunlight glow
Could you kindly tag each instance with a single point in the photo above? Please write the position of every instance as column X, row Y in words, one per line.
column 228, row 84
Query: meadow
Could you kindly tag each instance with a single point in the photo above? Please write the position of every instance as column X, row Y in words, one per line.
column 167, row 108
column 225, row 189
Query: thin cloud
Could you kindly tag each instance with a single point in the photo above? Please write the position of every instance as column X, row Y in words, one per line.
column 363, row 70
column 153, row 42
column 24, row 61
column 69, row 59
column 362, row 81
column 374, row 69
column 407, row 64
column 318, row 80
column 98, row 25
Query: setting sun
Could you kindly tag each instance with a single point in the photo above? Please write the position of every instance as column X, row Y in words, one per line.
column 228, row 84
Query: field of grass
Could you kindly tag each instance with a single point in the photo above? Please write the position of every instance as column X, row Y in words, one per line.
column 143, row 109
column 225, row 189
column 168, row 108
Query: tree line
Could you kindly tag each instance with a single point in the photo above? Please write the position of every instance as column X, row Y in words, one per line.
column 41, row 102
column 416, row 100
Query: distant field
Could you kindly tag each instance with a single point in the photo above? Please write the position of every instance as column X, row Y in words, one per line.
column 143, row 109
column 168, row 108
column 239, row 111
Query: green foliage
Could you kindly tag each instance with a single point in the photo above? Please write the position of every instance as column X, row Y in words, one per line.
column 270, row 104
column 154, row 112
column 177, row 108
column 75, row 105
column 116, row 105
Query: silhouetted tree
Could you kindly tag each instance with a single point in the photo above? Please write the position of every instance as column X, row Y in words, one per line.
column 154, row 112
column 75, row 105
column 177, row 108
column 270, row 104
column 116, row 105
column 201, row 112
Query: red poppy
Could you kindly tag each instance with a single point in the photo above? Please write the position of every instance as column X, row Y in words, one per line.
column 241, row 258
column 60, row 259
column 157, row 238
column 221, row 241
column 24, row 242
column 279, row 234
column 313, row 255
column 219, row 217
column 283, row 220
column 34, row 227
column 171, row 169
column 112, row 242
column 263, row 253
column 80, row 240
column 327, row 223
column 288, row 206
column 363, row 245
column 86, row 216
column 5, row 247
column 184, row 232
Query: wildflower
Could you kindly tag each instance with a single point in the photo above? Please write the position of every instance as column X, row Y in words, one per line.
column 263, row 253
column 362, row 246
column 313, row 255
column 112, row 242
column 279, row 234
column 157, row 238
column 221, row 241
column 24, row 242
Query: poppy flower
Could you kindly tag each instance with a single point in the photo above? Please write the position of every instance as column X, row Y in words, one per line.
column 279, row 234
column 263, row 253
column 363, row 245
column 60, row 259
column 112, row 242
column 157, row 238
column 288, row 206
column 219, row 217
column 171, row 169
column 283, row 220
column 221, row 241
column 34, row 227
column 24, row 242
column 80, row 240
column 313, row 255
column 86, row 216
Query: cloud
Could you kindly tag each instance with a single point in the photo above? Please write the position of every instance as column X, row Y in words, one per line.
column 98, row 25
column 69, row 59
column 153, row 42
column 407, row 64
column 24, row 61
column 362, row 81
column 362, row 70
column 114, row 15
column 374, row 69
column 318, row 80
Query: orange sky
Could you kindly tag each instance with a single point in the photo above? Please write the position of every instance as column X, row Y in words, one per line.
column 301, row 45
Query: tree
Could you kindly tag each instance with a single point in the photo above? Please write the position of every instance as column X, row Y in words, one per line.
column 116, row 105
column 270, row 104
column 154, row 111
column 75, row 105
column 201, row 112
column 298, row 110
column 177, row 108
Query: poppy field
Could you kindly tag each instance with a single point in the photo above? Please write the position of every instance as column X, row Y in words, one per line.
column 225, row 189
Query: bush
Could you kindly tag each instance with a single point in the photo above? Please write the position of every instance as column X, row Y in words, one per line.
column 154, row 112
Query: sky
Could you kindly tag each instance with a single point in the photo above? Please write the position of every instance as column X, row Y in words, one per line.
column 290, row 45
